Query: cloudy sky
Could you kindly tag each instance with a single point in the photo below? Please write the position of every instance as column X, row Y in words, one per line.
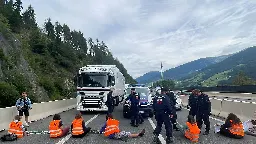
column 144, row 33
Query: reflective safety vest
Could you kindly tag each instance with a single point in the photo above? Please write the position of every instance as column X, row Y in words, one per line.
column 55, row 130
column 111, row 127
column 237, row 129
column 16, row 128
column 77, row 127
column 192, row 133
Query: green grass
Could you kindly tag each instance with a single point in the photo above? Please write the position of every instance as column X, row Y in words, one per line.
column 215, row 79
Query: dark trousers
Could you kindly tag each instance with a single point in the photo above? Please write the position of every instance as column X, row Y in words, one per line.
column 141, row 118
column 135, row 116
column 192, row 112
column 110, row 109
column 203, row 117
column 163, row 119
column 64, row 132
column 174, row 121
column 227, row 133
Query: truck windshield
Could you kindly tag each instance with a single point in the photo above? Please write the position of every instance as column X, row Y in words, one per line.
column 87, row 80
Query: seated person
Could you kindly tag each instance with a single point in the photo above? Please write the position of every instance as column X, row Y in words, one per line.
column 192, row 132
column 78, row 128
column 112, row 131
column 232, row 127
column 16, row 127
column 56, row 127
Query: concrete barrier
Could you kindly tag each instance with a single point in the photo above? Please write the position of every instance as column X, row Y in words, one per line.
column 39, row 111
column 216, row 104
column 244, row 111
column 222, row 107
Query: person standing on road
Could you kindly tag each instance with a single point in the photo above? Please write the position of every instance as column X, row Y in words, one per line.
column 110, row 101
column 163, row 112
column 192, row 102
column 134, row 99
column 24, row 105
column 203, row 110
column 173, row 102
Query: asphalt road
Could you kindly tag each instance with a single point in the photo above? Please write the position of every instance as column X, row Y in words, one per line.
column 96, row 121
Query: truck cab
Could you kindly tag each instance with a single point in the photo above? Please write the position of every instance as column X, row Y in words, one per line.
column 94, row 83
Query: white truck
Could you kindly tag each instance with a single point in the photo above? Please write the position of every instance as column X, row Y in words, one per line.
column 94, row 83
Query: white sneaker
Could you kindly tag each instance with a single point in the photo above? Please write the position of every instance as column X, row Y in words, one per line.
column 26, row 124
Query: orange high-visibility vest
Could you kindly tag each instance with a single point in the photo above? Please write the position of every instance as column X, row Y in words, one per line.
column 55, row 130
column 16, row 128
column 77, row 127
column 111, row 127
column 237, row 129
column 192, row 133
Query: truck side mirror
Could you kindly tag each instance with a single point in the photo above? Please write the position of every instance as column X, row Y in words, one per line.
column 75, row 80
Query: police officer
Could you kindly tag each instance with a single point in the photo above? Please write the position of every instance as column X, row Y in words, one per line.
column 134, row 99
column 110, row 101
column 173, row 102
column 203, row 110
column 163, row 112
column 192, row 102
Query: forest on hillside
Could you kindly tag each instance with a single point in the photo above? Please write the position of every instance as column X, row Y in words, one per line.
column 43, row 61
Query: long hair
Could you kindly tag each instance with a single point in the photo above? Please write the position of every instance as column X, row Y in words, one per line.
column 191, row 119
column 232, row 117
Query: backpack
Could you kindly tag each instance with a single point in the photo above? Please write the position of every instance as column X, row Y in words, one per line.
column 9, row 137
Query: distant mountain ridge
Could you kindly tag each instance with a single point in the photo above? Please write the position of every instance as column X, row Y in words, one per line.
column 182, row 70
column 224, row 72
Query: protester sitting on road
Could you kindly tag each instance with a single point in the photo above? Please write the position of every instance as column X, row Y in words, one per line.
column 16, row 127
column 112, row 131
column 56, row 127
column 78, row 128
column 192, row 132
column 232, row 127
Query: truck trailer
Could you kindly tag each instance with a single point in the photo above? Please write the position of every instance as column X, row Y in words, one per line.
column 94, row 83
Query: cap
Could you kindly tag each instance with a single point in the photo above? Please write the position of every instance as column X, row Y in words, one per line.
column 132, row 88
column 163, row 89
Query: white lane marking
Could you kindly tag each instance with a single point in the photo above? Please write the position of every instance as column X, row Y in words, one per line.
column 154, row 126
column 62, row 141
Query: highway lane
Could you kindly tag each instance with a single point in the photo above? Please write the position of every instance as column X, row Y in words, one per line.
column 97, row 122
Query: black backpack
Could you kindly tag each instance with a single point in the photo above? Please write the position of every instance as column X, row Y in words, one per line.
column 9, row 137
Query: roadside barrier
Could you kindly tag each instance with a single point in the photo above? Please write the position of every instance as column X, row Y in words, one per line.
column 39, row 111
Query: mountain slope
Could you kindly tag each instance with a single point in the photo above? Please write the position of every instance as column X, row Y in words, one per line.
column 43, row 61
column 182, row 70
column 225, row 71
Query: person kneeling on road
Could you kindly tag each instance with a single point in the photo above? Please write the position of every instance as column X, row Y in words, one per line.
column 232, row 127
column 56, row 127
column 78, row 128
column 192, row 132
column 112, row 131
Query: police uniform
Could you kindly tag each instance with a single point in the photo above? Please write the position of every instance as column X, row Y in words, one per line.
column 163, row 111
column 173, row 104
column 134, row 99
column 203, row 112
column 192, row 102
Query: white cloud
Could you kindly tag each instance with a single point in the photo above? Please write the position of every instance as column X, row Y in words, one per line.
column 144, row 33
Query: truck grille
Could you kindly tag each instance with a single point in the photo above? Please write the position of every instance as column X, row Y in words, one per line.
column 90, row 102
